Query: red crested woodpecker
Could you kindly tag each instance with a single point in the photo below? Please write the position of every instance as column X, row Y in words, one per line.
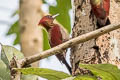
column 57, row 35
column 100, row 8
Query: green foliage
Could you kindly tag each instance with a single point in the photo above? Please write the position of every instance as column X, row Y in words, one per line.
column 43, row 1
column 7, row 54
column 101, row 71
column 45, row 73
column 63, row 7
column 4, row 71
column 46, row 44
column 10, row 52
column 4, row 58
column 15, row 13
column 104, row 71
column 69, row 78
column 14, row 29
column 29, row 77
column 85, row 77
column 81, row 77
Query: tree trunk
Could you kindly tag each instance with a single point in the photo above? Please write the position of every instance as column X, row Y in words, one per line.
column 104, row 49
column 31, row 35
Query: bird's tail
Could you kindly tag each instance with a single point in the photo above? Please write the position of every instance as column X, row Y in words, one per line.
column 62, row 59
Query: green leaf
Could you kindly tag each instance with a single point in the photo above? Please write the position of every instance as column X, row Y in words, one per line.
column 43, row 1
column 15, row 13
column 29, row 77
column 6, row 55
column 14, row 29
column 81, row 77
column 85, row 77
column 45, row 73
column 63, row 7
column 4, row 58
column 46, row 44
column 10, row 52
column 69, row 78
column 17, row 40
column 104, row 71
column 4, row 71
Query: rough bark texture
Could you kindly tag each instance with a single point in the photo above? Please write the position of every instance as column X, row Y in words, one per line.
column 104, row 49
column 31, row 35
column 109, row 44
column 83, row 24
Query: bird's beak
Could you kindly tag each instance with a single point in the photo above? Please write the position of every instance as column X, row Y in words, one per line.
column 39, row 23
column 54, row 16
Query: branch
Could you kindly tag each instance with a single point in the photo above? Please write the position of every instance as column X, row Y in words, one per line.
column 70, row 43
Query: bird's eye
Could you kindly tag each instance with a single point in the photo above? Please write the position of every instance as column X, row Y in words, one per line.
column 49, row 16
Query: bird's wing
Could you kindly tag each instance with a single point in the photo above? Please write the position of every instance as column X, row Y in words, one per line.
column 65, row 35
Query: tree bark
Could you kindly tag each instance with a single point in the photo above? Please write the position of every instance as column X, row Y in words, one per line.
column 104, row 49
column 31, row 35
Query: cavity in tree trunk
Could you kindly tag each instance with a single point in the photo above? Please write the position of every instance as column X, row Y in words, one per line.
column 104, row 49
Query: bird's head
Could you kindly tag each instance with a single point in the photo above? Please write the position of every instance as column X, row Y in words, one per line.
column 47, row 21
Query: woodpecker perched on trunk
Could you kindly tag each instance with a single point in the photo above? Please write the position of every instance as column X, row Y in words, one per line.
column 57, row 35
column 100, row 8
